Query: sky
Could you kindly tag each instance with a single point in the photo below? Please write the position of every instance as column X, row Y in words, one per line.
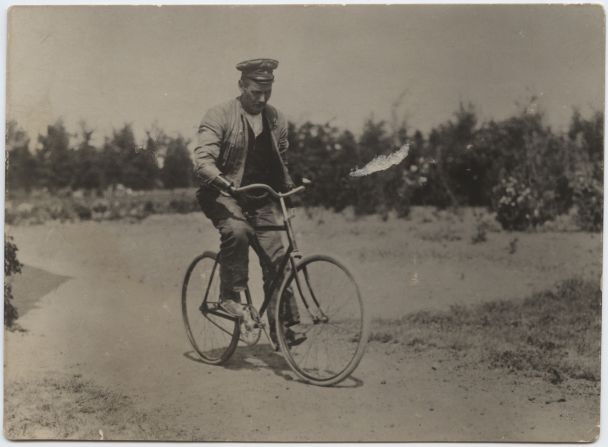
column 167, row 65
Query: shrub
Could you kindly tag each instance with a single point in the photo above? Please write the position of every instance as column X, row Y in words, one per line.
column 518, row 167
column 149, row 207
column 82, row 211
column 589, row 200
column 11, row 267
column 480, row 234
column 183, row 205
column 516, row 207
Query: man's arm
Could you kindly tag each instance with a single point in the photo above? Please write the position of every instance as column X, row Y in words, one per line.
column 283, row 138
column 208, row 143
column 283, row 144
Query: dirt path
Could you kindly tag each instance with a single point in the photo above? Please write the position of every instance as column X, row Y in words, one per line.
column 116, row 323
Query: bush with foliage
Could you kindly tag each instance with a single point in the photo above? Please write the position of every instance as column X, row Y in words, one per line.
column 517, row 167
column 12, row 266
column 515, row 205
column 112, row 204
column 589, row 200
column 586, row 140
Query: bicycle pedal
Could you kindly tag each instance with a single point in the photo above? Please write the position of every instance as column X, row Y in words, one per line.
column 250, row 338
column 248, row 327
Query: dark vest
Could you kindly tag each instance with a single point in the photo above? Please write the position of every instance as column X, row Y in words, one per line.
column 261, row 163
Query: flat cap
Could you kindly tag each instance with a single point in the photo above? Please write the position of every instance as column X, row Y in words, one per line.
column 258, row 70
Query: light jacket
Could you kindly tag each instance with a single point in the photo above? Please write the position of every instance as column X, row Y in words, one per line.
column 222, row 142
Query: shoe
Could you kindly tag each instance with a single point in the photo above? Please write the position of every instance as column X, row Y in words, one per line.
column 294, row 338
column 241, row 311
column 292, row 323
column 233, row 308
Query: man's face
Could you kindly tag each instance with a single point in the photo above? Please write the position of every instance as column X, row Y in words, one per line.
column 254, row 96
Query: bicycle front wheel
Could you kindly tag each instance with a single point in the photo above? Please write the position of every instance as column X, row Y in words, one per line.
column 331, row 314
column 213, row 334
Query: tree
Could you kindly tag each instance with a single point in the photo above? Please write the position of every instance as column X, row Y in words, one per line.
column 344, row 159
column 177, row 170
column 111, row 164
column 89, row 167
column 20, row 162
column 529, row 169
column 376, row 192
column 307, row 157
column 586, row 144
column 127, row 163
column 139, row 167
column 456, row 175
column 589, row 135
column 56, row 161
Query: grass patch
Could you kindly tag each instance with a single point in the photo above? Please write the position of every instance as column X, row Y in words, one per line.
column 554, row 333
column 68, row 407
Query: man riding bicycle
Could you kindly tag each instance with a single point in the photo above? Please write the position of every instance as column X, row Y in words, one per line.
column 241, row 142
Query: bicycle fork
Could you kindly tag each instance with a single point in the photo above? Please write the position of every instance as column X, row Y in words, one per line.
column 294, row 256
column 316, row 315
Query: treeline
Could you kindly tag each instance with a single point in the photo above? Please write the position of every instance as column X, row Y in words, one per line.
column 66, row 161
column 518, row 167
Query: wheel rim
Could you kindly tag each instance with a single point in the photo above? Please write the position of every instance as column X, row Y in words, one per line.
column 333, row 348
column 212, row 336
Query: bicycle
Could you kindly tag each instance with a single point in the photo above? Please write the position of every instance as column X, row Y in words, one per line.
column 331, row 308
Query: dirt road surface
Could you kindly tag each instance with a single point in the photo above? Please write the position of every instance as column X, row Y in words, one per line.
column 111, row 327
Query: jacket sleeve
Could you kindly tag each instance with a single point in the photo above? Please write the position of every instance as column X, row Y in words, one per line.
column 208, row 144
column 283, row 144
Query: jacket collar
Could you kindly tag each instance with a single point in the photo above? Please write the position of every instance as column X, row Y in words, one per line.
column 269, row 113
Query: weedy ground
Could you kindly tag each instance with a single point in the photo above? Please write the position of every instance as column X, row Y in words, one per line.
column 70, row 407
column 489, row 326
column 554, row 334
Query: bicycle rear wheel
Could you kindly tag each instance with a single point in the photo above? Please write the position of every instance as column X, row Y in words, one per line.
column 213, row 334
column 332, row 317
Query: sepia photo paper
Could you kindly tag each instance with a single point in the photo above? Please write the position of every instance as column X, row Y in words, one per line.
column 304, row 223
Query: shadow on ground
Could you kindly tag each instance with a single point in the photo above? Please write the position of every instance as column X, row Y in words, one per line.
column 31, row 285
column 261, row 357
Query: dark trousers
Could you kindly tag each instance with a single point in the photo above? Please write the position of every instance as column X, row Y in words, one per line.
column 235, row 220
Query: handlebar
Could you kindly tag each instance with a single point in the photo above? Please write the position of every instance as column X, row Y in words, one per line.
column 269, row 190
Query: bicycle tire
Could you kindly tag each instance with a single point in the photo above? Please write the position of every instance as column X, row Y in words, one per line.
column 347, row 325
column 221, row 334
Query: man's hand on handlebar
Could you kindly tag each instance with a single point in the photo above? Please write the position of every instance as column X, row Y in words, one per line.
column 224, row 186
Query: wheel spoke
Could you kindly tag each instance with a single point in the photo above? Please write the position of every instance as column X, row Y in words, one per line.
column 339, row 328
column 332, row 349
column 213, row 337
column 218, row 325
column 309, row 348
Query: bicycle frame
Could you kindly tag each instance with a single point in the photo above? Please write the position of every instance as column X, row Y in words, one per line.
column 296, row 282
column 291, row 257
